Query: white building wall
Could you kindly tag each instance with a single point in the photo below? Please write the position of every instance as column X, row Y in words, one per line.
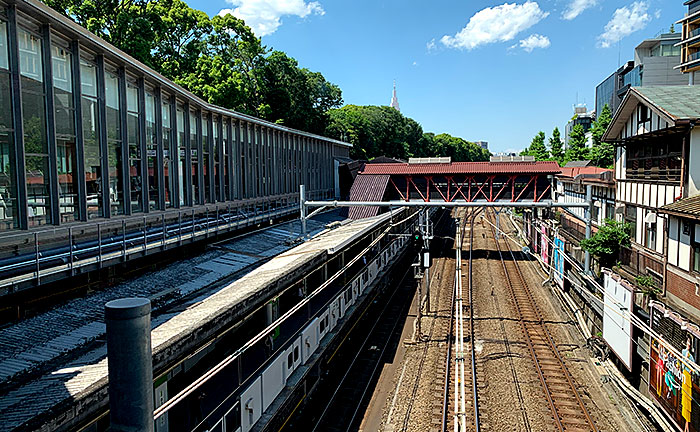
column 694, row 163
column 673, row 230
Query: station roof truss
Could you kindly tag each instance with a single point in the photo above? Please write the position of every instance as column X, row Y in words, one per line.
column 464, row 181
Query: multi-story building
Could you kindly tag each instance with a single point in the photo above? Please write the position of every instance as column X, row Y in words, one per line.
column 581, row 117
column 690, row 41
column 654, row 64
column 483, row 144
column 652, row 130
column 613, row 88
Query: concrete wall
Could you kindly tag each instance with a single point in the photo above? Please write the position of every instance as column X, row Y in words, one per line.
column 659, row 71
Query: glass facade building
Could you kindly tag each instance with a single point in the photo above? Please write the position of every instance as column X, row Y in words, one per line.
column 89, row 134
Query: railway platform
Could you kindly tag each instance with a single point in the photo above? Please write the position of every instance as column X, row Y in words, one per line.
column 53, row 374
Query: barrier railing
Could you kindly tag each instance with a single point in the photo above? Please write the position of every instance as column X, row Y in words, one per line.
column 30, row 255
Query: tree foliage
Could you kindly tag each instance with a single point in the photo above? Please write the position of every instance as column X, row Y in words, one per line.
column 537, row 148
column 602, row 154
column 382, row 131
column 577, row 149
column 219, row 59
column 556, row 146
column 605, row 244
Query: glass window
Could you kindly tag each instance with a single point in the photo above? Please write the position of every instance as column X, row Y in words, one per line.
column 224, row 168
column 91, row 147
column 182, row 153
column 134, row 138
column 217, row 172
column 36, row 152
column 696, row 256
column 651, row 236
column 205, row 158
column 167, row 162
column 8, row 176
column 4, row 60
column 195, row 158
column 114, row 144
column 66, row 156
column 152, row 152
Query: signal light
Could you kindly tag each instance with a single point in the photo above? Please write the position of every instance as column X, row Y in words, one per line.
column 417, row 240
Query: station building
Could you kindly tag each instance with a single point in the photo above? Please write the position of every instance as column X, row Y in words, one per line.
column 92, row 140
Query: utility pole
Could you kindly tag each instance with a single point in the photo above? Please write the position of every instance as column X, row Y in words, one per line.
column 588, row 211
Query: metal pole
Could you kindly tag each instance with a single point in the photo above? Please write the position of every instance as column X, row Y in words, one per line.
column 302, row 209
column 130, row 364
column 588, row 211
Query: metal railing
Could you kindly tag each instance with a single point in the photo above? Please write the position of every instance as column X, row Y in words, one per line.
column 31, row 255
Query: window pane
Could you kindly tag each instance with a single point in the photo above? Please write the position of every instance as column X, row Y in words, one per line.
column 195, row 158
column 4, row 61
column 217, row 143
column 65, row 134
column 29, row 55
column 167, row 161
column 114, row 144
column 67, row 178
column 61, row 67
column 88, row 79
column 34, row 122
column 93, row 173
column 38, row 201
column 5, row 102
column 151, row 152
column 181, row 153
column 205, row 158
column 8, row 182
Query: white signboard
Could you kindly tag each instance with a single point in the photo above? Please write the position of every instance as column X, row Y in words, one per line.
column 617, row 328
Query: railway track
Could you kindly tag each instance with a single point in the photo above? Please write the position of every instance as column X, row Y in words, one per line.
column 567, row 407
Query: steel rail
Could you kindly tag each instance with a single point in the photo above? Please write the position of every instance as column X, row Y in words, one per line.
column 550, row 342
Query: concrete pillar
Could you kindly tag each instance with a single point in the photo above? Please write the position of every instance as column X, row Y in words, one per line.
column 130, row 364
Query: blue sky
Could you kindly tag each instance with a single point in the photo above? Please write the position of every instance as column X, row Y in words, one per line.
column 481, row 70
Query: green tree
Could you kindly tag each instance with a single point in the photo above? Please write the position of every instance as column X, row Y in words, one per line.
column 602, row 154
column 537, row 147
column 577, row 149
column 605, row 244
column 556, row 146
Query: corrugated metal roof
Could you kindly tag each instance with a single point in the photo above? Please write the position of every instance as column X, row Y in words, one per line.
column 579, row 163
column 684, row 207
column 541, row 167
column 583, row 170
column 367, row 187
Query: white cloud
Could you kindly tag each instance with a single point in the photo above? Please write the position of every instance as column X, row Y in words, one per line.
column 657, row 13
column 497, row 24
column 264, row 16
column 430, row 46
column 576, row 7
column 534, row 41
column 625, row 21
column 415, row 63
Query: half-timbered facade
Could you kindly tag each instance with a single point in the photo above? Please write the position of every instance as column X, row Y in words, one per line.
column 658, row 147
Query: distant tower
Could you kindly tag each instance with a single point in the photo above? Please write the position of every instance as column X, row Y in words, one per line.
column 395, row 100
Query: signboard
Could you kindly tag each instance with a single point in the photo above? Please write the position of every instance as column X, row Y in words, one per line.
column 617, row 328
column 672, row 383
column 544, row 249
column 558, row 261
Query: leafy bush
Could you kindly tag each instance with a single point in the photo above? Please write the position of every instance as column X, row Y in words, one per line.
column 605, row 244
